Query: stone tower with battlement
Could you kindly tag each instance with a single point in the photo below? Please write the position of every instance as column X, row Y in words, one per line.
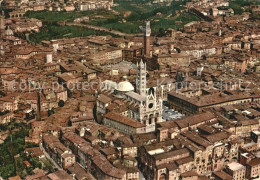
column 147, row 33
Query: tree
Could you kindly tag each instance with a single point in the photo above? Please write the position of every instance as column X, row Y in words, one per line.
column 61, row 103
column 161, row 32
column 12, row 146
column 49, row 112
column 39, row 165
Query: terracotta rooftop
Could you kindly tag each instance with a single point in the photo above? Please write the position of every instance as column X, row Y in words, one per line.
column 104, row 165
column 254, row 162
column 124, row 120
column 195, row 119
column 222, row 175
column 171, row 154
column 211, row 99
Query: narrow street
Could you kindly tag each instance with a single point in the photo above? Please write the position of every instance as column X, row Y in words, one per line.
column 48, row 157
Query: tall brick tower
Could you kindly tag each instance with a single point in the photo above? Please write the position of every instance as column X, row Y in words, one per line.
column 147, row 33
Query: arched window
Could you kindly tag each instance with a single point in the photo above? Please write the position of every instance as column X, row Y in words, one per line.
column 162, row 176
column 151, row 91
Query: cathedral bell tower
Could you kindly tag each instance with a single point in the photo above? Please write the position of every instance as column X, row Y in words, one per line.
column 141, row 78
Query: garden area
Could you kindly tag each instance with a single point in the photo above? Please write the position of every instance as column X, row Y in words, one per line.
column 49, row 32
column 13, row 158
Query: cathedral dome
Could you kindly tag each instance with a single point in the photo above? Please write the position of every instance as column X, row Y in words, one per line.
column 125, row 86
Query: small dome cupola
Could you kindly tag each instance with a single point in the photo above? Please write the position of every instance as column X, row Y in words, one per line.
column 125, row 86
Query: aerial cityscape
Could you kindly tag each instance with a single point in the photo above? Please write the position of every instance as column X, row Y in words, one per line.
column 129, row 90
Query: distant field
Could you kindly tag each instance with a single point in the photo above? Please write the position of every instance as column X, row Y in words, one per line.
column 134, row 6
column 184, row 18
column 162, row 17
column 127, row 27
column 57, row 32
column 52, row 30
column 141, row 11
column 50, row 16
column 237, row 5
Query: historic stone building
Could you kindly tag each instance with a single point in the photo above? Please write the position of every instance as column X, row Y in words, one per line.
column 142, row 105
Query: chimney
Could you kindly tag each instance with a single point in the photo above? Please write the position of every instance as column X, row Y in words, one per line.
column 55, row 45
column 220, row 32
column 2, row 50
column 27, row 37
column 48, row 58
column 199, row 70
